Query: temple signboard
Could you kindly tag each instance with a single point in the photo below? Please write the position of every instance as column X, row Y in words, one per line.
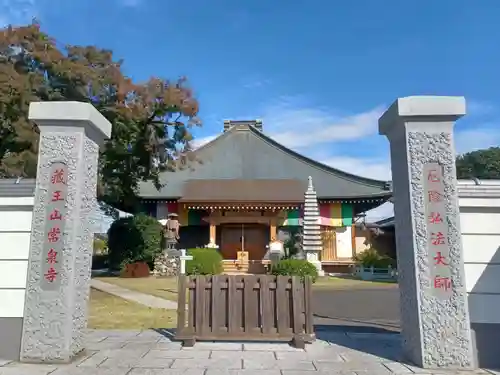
column 437, row 231
column 55, row 215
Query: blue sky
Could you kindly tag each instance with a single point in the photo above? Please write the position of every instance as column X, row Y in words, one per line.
column 319, row 73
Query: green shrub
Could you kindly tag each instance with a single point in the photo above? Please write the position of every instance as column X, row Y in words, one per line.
column 372, row 258
column 295, row 267
column 205, row 262
column 133, row 239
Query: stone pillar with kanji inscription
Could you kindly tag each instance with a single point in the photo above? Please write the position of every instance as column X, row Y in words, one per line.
column 433, row 299
column 58, row 282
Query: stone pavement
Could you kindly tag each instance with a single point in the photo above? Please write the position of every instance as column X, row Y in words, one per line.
column 152, row 353
column 130, row 295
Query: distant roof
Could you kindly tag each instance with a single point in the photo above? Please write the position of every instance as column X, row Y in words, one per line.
column 13, row 187
column 243, row 152
column 466, row 189
column 387, row 222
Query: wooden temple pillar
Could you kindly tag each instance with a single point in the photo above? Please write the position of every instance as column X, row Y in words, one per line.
column 213, row 232
column 353, row 238
column 272, row 230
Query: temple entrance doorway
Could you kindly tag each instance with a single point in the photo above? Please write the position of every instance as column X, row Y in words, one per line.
column 249, row 237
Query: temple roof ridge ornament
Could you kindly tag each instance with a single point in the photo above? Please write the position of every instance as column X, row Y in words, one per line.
column 256, row 124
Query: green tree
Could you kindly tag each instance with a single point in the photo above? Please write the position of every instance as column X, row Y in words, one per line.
column 151, row 120
column 481, row 164
column 133, row 239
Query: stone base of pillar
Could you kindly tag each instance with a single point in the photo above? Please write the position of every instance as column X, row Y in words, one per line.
column 312, row 257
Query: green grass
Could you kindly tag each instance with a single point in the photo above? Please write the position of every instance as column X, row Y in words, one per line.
column 346, row 282
column 163, row 287
column 166, row 287
column 110, row 312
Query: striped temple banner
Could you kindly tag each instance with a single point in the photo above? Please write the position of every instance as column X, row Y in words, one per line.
column 331, row 215
column 195, row 217
column 347, row 214
column 187, row 216
column 335, row 214
column 290, row 218
column 172, row 207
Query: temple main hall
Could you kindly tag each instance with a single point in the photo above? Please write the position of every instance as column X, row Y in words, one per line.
column 245, row 189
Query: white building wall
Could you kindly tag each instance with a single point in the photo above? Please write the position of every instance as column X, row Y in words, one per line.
column 343, row 239
column 15, row 232
column 480, row 226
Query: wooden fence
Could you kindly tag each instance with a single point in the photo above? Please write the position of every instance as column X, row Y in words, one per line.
column 244, row 308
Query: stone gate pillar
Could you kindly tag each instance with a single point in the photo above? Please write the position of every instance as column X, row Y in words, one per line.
column 433, row 298
column 58, row 282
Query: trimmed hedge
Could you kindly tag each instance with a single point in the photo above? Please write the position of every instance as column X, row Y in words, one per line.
column 295, row 267
column 205, row 261
column 133, row 239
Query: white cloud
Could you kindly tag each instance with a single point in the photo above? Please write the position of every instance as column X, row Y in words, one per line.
column 17, row 12
column 476, row 139
column 378, row 169
column 198, row 142
column 300, row 126
column 295, row 124
column 314, row 131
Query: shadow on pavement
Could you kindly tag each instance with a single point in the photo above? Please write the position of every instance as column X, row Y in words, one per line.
column 368, row 340
column 371, row 340
column 337, row 321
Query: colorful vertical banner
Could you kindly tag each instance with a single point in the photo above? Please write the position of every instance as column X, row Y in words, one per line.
column 347, row 214
column 330, row 214
column 195, row 217
column 172, row 207
column 290, row 218
column 186, row 216
column 336, row 214
column 183, row 215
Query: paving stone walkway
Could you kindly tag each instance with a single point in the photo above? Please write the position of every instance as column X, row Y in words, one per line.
column 143, row 299
column 152, row 353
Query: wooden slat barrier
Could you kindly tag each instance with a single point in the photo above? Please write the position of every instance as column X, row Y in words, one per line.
column 244, row 308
